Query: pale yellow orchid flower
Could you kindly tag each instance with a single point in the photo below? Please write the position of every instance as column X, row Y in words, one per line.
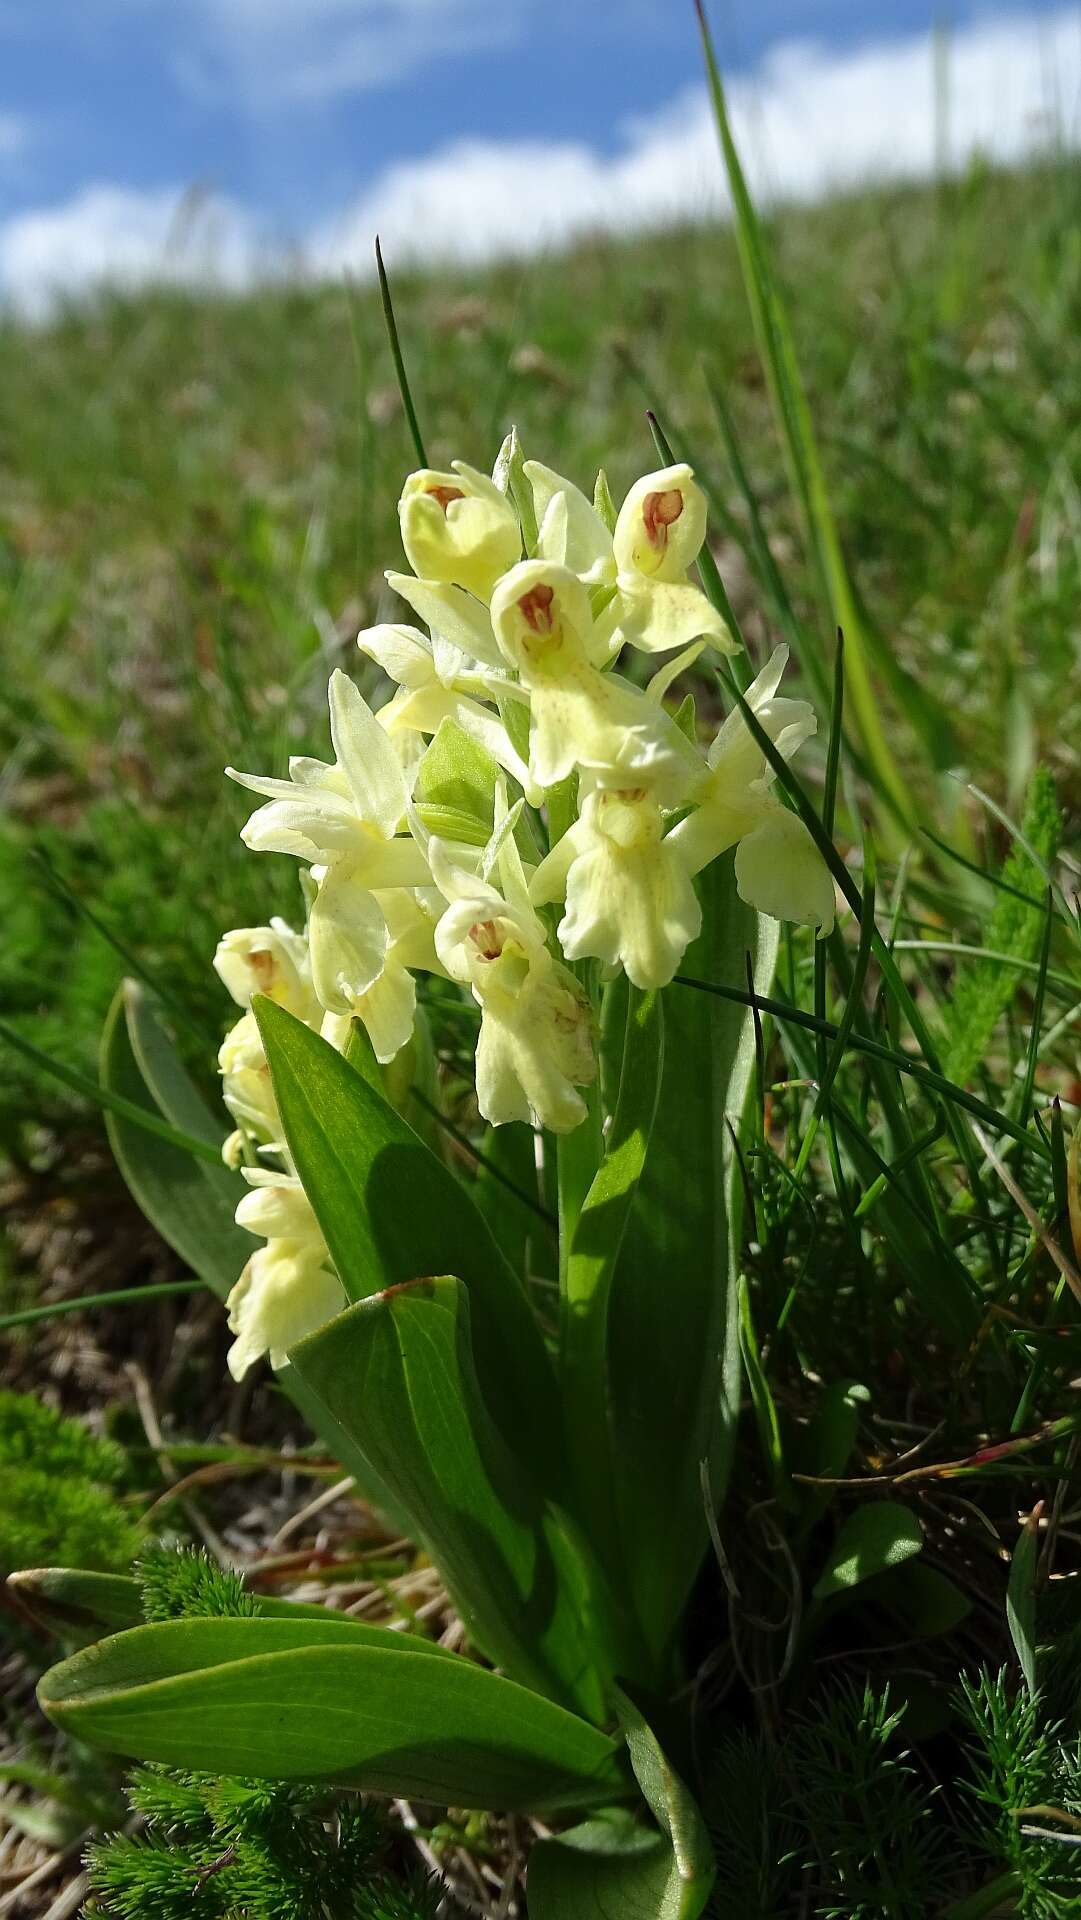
column 458, row 528
column 341, row 958
column 425, row 698
column 630, row 898
column 535, row 1047
column 271, row 960
column 286, row 1290
column 659, row 534
column 346, row 817
column 581, row 718
column 779, row 870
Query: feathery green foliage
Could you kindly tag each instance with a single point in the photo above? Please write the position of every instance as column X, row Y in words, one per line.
column 177, row 1584
column 57, row 1503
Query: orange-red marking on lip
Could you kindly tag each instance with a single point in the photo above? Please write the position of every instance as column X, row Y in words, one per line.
column 261, row 962
column 485, row 936
column 536, row 606
column 659, row 512
column 445, row 495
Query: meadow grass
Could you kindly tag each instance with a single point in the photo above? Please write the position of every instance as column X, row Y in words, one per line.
column 196, row 494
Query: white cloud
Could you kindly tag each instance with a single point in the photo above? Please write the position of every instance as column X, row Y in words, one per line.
column 126, row 238
column 271, row 51
column 808, row 120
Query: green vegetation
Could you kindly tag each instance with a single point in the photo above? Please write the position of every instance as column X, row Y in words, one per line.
column 825, row 1318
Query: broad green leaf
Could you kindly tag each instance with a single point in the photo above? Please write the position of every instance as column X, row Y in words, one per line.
column 871, row 1540
column 1021, row 1599
column 75, row 1605
column 926, row 1601
column 391, row 1212
column 827, row 1446
column 168, row 1081
column 396, row 1371
column 609, row 1868
column 673, row 1336
column 672, row 1806
column 79, row 1607
column 334, row 1701
column 189, row 1201
column 587, row 1281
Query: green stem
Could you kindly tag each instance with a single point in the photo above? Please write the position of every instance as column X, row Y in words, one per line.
column 976, row 1906
column 83, row 1303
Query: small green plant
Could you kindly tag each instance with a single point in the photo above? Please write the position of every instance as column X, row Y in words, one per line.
column 58, row 1501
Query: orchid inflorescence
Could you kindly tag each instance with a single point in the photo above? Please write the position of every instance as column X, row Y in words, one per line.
column 442, row 838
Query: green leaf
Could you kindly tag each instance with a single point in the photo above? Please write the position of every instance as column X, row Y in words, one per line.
column 924, row 1600
column 391, row 1212
column 609, row 1868
column 190, row 1202
column 672, row 1321
column 594, row 1249
column 79, row 1607
column 871, row 1540
column 397, row 1372
column 614, row 1868
column 1021, row 1599
column 333, row 1701
column 75, row 1605
column 459, row 775
column 673, row 1807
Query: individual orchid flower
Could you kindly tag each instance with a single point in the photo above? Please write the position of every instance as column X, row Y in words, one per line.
column 535, row 1047
column 458, row 528
column 630, row 897
column 286, row 1290
column 344, row 817
column 272, row 960
column 581, row 718
column 340, row 958
column 425, row 699
column 247, row 1091
column 659, row 534
column 779, row 870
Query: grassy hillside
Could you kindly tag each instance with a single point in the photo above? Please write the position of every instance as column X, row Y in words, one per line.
column 197, row 498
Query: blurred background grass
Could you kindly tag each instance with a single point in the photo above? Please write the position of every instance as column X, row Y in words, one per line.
column 197, row 497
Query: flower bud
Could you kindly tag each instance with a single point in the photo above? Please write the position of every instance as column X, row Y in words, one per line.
column 457, row 528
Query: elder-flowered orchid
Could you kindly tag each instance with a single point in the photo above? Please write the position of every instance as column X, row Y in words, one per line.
column 513, row 681
column 779, row 869
column 535, row 1048
column 658, row 536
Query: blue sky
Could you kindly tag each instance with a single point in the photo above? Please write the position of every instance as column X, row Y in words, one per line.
column 295, row 110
